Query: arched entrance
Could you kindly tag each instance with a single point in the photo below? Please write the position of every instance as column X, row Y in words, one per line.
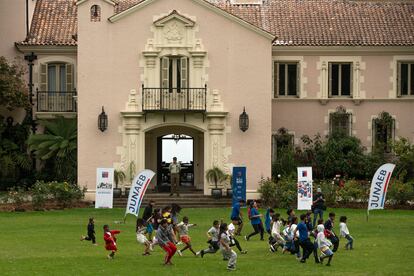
column 164, row 142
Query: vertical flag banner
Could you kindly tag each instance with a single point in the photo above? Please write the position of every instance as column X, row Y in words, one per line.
column 305, row 188
column 379, row 186
column 239, row 184
column 104, row 187
column 138, row 189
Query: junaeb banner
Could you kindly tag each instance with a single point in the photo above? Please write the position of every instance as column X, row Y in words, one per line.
column 138, row 189
column 104, row 187
column 379, row 186
column 304, row 188
column 239, row 184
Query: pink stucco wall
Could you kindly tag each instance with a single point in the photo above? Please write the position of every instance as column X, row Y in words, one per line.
column 108, row 55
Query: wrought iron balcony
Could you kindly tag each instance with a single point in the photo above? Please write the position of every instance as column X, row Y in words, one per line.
column 174, row 99
column 54, row 101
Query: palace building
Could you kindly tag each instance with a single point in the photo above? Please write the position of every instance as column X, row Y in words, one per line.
column 188, row 69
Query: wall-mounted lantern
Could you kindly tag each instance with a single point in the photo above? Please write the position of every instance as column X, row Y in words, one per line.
column 244, row 121
column 102, row 120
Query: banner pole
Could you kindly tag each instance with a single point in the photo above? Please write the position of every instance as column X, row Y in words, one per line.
column 367, row 214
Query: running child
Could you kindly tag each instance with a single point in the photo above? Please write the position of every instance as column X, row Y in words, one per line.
column 182, row 228
column 110, row 241
column 231, row 232
column 91, row 232
column 141, row 230
column 213, row 240
column 268, row 220
column 236, row 215
column 276, row 238
column 329, row 231
column 344, row 232
column 255, row 220
column 228, row 253
column 166, row 239
column 147, row 217
column 324, row 244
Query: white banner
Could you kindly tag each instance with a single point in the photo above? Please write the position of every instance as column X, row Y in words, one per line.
column 104, row 187
column 139, row 186
column 379, row 186
column 304, row 188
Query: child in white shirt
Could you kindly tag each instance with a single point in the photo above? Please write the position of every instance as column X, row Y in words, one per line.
column 231, row 232
column 343, row 229
column 276, row 238
column 324, row 244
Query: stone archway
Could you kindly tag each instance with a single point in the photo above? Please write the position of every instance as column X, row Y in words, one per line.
column 152, row 153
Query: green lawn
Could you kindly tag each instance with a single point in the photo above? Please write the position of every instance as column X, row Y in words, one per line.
column 47, row 243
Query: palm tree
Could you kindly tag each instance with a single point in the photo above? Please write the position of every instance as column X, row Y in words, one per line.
column 58, row 144
column 216, row 176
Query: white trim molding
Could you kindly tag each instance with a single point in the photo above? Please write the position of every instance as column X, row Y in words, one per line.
column 393, row 93
column 80, row 2
column 302, row 79
column 358, row 66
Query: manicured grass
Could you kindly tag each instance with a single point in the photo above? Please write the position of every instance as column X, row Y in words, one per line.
column 47, row 243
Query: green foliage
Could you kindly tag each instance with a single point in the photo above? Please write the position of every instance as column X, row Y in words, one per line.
column 131, row 171
column 353, row 191
column 66, row 194
column 268, row 193
column 13, row 90
column 15, row 162
column 17, row 196
column 40, row 193
column 400, row 192
column 282, row 194
column 285, row 163
column 57, row 148
column 404, row 150
column 328, row 189
column 216, row 176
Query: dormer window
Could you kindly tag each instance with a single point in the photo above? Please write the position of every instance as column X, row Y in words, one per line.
column 95, row 13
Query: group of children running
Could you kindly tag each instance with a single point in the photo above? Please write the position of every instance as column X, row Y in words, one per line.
column 288, row 234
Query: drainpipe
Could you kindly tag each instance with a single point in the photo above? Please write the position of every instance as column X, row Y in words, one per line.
column 27, row 19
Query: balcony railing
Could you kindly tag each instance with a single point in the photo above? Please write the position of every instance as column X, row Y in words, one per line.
column 174, row 99
column 53, row 101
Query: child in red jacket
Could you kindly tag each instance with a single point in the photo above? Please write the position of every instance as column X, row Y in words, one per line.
column 110, row 240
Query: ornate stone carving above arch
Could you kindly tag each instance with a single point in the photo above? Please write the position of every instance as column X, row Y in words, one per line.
column 174, row 34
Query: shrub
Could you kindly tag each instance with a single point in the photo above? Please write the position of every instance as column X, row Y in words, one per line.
column 400, row 193
column 17, row 196
column 66, row 194
column 40, row 193
column 267, row 190
column 352, row 191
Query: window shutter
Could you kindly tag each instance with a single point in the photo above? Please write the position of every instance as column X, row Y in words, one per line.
column 276, row 79
column 398, row 79
column 184, row 72
column 43, row 77
column 298, row 80
column 164, row 72
column 330, row 79
column 351, row 78
column 69, row 77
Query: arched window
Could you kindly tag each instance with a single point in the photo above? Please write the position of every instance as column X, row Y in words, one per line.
column 95, row 13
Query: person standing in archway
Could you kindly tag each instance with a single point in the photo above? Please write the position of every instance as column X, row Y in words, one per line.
column 175, row 169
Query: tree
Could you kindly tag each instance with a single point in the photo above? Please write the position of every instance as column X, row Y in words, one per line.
column 13, row 90
column 58, row 146
column 216, row 176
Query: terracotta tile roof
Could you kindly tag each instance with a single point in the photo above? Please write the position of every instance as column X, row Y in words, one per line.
column 54, row 23
column 294, row 22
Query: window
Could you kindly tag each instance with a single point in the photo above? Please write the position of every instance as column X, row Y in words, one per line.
column 340, row 79
column 383, row 129
column 405, row 79
column 95, row 13
column 286, row 79
column 340, row 122
column 281, row 141
column 174, row 72
column 56, row 77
